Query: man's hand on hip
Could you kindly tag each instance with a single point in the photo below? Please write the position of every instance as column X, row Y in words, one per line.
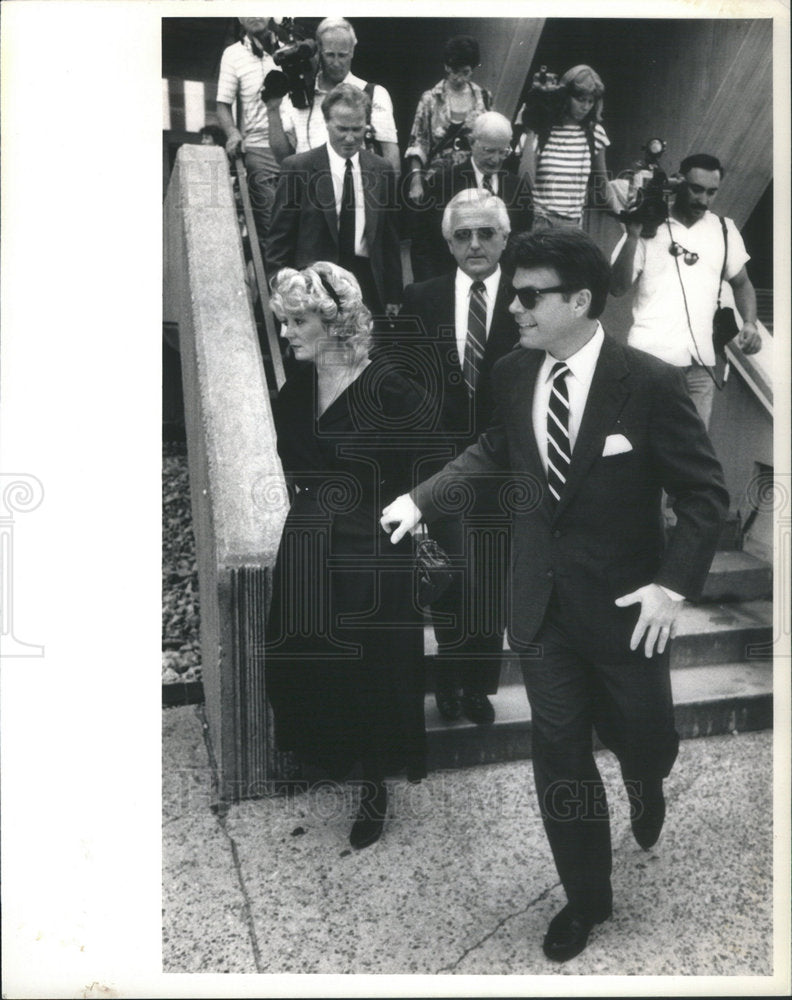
column 657, row 618
column 403, row 514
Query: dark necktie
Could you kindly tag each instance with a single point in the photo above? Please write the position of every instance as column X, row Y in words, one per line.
column 487, row 182
column 476, row 335
column 559, row 450
column 346, row 220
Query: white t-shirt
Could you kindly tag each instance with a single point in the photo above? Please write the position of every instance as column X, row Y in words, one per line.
column 660, row 322
column 242, row 72
column 306, row 128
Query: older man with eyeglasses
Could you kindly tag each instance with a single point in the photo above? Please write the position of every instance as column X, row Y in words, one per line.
column 490, row 144
column 463, row 326
column 678, row 274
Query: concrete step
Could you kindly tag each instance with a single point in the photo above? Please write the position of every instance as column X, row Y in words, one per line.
column 710, row 700
column 738, row 576
column 722, row 633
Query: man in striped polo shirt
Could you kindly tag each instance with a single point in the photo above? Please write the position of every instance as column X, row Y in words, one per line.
column 243, row 68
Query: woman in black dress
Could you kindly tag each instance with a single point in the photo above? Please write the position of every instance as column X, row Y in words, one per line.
column 345, row 636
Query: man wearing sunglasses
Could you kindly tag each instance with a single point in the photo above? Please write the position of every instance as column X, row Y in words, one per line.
column 490, row 144
column 599, row 430
column 464, row 326
column 677, row 278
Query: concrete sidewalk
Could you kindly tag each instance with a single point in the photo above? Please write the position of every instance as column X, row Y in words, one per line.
column 463, row 880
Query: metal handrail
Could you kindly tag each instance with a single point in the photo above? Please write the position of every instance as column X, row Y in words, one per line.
column 260, row 275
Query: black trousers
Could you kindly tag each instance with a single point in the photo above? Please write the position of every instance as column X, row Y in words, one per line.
column 629, row 705
column 470, row 618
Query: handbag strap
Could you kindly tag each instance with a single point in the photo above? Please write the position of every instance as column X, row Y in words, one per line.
column 453, row 131
column 725, row 254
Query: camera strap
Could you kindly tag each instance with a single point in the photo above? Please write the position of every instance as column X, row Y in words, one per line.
column 710, row 371
column 725, row 254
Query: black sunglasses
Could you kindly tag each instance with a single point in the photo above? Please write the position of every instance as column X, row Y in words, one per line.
column 484, row 233
column 677, row 250
column 530, row 296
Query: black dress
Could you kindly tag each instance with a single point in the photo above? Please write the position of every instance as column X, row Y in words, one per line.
column 344, row 657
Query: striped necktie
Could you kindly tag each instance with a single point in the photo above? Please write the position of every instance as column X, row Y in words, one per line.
column 559, row 451
column 487, row 183
column 476, row 335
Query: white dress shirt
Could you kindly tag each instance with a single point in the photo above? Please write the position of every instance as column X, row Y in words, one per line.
column 581, row 372
column 462, row 286
column 338, row 169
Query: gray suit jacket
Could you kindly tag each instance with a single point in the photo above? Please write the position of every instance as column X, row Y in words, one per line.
column 304, row 225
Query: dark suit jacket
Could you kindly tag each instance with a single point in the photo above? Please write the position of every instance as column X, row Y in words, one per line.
column 432, row 304
column 605, row 536
column 514, row 191
column 304, row 226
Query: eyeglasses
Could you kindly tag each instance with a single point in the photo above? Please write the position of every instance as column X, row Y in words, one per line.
column 494, row 150
column 484, row 234
column 677, row 250
column 530, row 296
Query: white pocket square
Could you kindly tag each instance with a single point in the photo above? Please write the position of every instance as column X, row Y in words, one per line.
column 616, row 444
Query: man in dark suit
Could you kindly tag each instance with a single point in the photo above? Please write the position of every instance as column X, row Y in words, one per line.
column 338, row 203
column 464, row 320
column 489, row 147
column 600, row 430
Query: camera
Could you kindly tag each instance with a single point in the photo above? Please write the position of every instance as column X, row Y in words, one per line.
column 297, row 73
column 540, row 104
column 650, row 190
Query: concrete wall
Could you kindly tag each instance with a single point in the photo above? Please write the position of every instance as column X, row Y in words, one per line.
column 236, row 481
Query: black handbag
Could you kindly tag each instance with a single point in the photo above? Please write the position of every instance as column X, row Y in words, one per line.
column 433, row 573
column 724, row 325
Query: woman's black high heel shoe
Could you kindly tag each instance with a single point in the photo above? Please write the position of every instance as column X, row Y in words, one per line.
column 370, row 819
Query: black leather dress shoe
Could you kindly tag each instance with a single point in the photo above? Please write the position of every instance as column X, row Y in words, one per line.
column 569, row 929
column 648, row 807
column 448, row 705
column 478, row 708
column 370, row 819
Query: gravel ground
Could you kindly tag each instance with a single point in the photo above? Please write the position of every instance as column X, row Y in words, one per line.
column 181, row 656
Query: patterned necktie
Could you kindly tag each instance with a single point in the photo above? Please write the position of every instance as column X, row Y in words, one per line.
column 487, row 183
column 559, row 451
column 476, row 335
column 346, row 220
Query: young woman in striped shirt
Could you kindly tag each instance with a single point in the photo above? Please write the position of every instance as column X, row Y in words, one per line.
column 564, row 157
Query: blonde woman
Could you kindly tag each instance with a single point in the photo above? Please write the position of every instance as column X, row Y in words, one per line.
column 345, row 636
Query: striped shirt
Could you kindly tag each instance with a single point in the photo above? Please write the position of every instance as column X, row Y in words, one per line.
column 242, row 72
column 563, row 170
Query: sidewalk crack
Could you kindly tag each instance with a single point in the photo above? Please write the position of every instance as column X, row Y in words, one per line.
column 501, row 923
column 221, row 812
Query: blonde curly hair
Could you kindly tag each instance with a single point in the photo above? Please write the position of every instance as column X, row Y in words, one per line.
column 334, row 295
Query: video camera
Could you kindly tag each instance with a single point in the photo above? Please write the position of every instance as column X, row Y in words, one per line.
column 650, row 190
column 296, row 59
column 541, row 102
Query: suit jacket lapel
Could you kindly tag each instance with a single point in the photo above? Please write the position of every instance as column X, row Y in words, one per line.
column 373, row 196
column 325, row 192
column 606, row 399
column 503, row 328
column 522, row 410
